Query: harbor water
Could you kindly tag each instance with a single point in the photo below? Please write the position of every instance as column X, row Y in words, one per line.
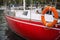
column 5, row 33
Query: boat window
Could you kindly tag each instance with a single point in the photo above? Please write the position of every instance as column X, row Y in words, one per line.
column 49, row 12
column 25, row 13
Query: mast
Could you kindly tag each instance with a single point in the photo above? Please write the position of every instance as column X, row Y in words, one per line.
column 24, row 5
column 55, row 3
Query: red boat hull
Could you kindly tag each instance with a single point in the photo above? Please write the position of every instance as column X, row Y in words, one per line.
column 31, row 30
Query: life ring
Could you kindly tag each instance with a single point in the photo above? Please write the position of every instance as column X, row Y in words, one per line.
column 52, row 9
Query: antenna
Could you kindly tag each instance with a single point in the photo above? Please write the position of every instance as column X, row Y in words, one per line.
column 24, row 5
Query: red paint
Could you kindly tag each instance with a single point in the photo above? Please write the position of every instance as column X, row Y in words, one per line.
column 31, row 32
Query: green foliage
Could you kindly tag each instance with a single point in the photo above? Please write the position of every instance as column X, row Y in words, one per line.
column 1, row 2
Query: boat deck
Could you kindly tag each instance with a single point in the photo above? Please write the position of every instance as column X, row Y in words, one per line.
column 31, row 14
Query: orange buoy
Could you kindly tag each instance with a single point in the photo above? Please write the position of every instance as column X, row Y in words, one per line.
column 53, row 9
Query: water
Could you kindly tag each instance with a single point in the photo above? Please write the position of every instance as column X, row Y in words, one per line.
column 5, row 33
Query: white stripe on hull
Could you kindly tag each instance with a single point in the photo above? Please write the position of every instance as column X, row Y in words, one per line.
column 32, row 24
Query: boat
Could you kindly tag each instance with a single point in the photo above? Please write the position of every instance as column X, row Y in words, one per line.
column 29, row 25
